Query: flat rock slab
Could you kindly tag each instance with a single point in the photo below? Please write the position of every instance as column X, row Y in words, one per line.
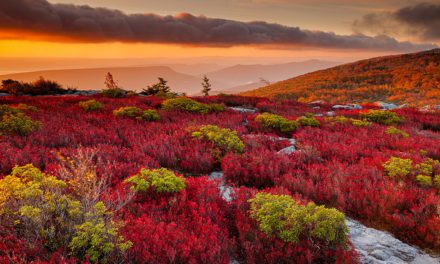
column 243, row 110
column 379, row 247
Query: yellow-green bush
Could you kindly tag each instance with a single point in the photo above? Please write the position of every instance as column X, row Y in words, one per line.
column 91, row 105
column 225, row 139
column 395, row 131
column 276, row 122
column 381, row 117
column 25, row 107
column 43, row 208
column 282, row 216
column 149, row 115
column 360, row 123
column 308, row 121
column 425, row 181
column 19, row 124
column 135, row 112
column 437, row 181
column 397, row 167
column 189, row 105
column 114, row 92
column 160, row 180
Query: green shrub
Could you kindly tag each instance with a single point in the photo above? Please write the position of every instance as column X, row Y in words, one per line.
column 19, row 124
column 360, row 123
column 114, row 92
column 341, row 119
column 225, row 139
column 91, row 105
column 160, row 180
column 437, row 181
column 128, row 111
column 135, row 112
column 25, row 107
column 276, row 122
column 398, row 168
column 308, row 121
column 189, row 105
column 282, row 216
column 381, row 117
column 425, row 181
column 6, row 109
column 149, row 115
column 395, row 131
column 427, row 166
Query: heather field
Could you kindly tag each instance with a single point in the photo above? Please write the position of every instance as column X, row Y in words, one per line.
column 93, row 179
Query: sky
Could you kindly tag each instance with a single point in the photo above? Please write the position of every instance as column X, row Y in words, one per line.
column 300, row 29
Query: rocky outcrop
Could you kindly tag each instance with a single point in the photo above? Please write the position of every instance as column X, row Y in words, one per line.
column 244, row 110
column 378, row 247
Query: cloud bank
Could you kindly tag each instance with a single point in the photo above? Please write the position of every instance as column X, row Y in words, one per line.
column 420, row 20
column 87, row 24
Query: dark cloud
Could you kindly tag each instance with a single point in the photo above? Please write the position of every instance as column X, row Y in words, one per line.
column 420, row 20
column 87, row 24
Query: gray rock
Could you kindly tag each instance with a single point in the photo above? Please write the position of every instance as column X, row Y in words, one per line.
column 330, row 113
column 347, row 107
column 375, row 246
column 225, row 191
column 243, row 110
column 4, row 94
column 387, row 106
column 287, row 151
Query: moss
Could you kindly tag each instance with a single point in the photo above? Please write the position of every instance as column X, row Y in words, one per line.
column 276, row 122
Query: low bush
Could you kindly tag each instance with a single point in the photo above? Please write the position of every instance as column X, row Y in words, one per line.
column 398, row 168
column 277, row 123
column 360, row 123
column 159, row 180
column 189, row 105
column 114, row 93
column 286, row 218
column 381, row 117
column 13, row 121
column 308, row 121
column 136, row 112
column 225, row 139
column 91, row 105
column 395, row 131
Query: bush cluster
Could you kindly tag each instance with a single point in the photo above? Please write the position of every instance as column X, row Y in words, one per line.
column 360, row 123
column 39, row 87
column 189, row 105
column 159, row 180
column 286, row 218
column 277, row 123
column 91, row 105
column 137, row 113
column 40, row 208
column 381, row 117
column 14, row 121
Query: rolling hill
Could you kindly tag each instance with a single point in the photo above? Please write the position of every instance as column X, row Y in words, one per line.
column 408, row 78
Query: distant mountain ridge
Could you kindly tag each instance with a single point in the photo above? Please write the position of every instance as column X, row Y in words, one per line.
column 409, row 78
column 181, row 77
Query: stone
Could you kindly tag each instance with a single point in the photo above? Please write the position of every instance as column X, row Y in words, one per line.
column 243, row 110
column 347, row 107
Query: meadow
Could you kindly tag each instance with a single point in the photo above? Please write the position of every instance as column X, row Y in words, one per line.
column 125, row 180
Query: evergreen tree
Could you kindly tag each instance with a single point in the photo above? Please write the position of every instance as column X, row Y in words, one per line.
column 206, row 86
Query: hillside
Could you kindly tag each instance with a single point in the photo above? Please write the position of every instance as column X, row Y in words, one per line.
column 409, row 78
column 239, row 75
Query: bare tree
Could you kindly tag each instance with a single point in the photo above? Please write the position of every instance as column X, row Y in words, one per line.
column 206, row 84
column 109, row 82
